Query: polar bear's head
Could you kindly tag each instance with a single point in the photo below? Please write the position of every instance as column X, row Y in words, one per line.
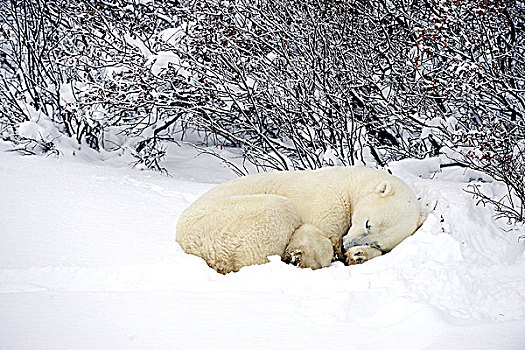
column 384, row 215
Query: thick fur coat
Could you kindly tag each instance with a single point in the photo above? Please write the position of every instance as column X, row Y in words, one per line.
column 298, row 215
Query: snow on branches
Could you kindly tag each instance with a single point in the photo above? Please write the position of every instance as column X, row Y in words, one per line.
column 293, row 84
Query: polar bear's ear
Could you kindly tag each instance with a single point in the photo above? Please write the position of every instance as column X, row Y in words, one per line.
column 385, row 189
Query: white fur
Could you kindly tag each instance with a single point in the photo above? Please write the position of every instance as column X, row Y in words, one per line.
column 243, row 221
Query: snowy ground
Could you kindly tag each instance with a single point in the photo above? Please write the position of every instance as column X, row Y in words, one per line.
column 88, row 261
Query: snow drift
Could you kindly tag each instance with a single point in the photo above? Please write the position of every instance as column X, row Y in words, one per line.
column 88, row 260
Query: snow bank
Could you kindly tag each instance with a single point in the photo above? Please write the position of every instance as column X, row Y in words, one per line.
column 88, row 260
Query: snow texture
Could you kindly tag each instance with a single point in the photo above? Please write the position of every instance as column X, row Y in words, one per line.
column 88, row 260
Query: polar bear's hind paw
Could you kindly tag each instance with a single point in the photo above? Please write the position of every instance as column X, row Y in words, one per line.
column 293, row 257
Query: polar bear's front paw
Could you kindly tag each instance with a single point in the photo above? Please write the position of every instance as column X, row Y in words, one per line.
column 360, row 254
column 293, row 257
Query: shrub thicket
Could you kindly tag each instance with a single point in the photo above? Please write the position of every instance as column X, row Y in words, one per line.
column 294, row 84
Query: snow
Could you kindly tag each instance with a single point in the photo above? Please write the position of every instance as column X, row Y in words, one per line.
column 134, row 41
column 88, row 261
column 162, row 60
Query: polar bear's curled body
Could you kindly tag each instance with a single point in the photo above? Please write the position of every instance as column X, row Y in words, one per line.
column 243, row 221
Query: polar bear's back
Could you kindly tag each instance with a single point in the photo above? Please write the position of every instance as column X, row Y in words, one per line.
column 281, row 182
column 325, row 182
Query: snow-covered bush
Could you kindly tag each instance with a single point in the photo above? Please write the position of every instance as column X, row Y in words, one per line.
column 472, row 59
column 293, row 84
column 29, row 80
column 304, row 84
column 88, row 67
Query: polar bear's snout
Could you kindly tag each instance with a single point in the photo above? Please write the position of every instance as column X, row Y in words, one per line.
column 358, row 250
column 353, row 242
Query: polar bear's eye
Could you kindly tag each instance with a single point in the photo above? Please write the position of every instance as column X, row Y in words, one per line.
column 368, row 226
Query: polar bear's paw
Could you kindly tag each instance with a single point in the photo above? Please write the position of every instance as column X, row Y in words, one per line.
column 293, row 257
column 360, row 254
column 313, row 257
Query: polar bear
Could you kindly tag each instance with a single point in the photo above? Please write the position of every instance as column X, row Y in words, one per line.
column 300, row 216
